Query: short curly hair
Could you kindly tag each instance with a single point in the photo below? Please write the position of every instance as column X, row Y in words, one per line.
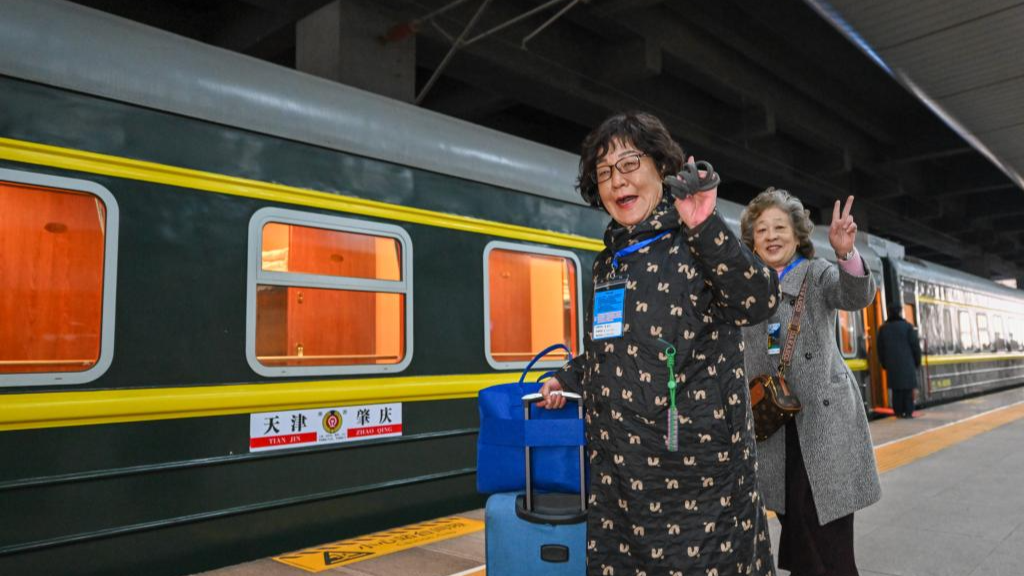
column 642, row 130
column 783, row 200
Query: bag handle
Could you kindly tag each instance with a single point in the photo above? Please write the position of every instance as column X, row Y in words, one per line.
column 794, row 329
column 542, row 354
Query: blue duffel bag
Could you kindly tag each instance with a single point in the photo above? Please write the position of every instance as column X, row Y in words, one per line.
column 553, row 435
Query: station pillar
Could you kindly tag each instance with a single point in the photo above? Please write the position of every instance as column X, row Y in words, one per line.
column 341, row 42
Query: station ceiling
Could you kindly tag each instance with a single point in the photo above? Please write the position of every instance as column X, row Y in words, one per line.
column 773, row 93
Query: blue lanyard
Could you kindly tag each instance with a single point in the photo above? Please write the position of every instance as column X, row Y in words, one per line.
column 790, row 267
column 630, row 249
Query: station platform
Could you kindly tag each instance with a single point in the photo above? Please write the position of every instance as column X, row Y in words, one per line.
column 951, row 506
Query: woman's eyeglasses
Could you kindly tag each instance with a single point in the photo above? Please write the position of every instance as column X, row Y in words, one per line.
column 625, row 165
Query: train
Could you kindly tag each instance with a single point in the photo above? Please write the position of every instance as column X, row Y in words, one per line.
column 247, row 310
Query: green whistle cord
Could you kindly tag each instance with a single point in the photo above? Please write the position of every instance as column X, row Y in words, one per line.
column 672, row 438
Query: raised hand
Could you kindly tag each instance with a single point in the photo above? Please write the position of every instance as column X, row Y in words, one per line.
column 843, row 232
column 695, row 208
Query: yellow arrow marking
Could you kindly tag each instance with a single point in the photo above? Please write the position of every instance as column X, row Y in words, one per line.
column 379, row 544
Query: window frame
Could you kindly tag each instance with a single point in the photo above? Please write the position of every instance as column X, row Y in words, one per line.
column 256, row 275
column 109, row 298
column 854, row 324
column 969, row 331
column 528, row 249
column 984, row 342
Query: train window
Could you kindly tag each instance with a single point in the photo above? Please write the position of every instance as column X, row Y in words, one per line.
column 930, row 327
column 984, row 342
column 531, row 300
column 327, row 295
column 847, row 333
column 307, row 250
column 1014, row 335
column 58, row 244
column 909, row 314
column 998, row 334
column 948, row 341
column 966, row 331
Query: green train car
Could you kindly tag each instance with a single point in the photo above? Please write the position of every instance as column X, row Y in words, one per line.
column 247, row 310
column 972, row 331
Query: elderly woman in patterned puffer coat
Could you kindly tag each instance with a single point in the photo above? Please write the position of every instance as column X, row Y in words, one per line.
column 673, row 487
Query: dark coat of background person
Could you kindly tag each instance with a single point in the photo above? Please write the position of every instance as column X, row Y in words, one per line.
column 695, row 511
column 832, row 427
column 899, row 350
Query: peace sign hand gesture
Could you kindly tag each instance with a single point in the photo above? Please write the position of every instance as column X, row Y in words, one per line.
column 843, row 232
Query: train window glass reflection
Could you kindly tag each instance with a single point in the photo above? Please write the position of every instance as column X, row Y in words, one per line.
column 930, row 328
column 984, row 342
column 948, row 342
column 58, row 248
column 998, row 334
column 1014, row 334
column 531, row 301
column 966, row 331
column 848, row 333
column 327, row 295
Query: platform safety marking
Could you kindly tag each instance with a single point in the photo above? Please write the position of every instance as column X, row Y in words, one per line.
column 379, row 544
column 912, row 448
column 478, row 571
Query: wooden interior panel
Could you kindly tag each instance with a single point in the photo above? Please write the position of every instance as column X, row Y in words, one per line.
column 302, row 326
column 51, row 279
column 509, row 284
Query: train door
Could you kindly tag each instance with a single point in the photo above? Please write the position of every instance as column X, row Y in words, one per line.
column 873, row 317
column 913, row 314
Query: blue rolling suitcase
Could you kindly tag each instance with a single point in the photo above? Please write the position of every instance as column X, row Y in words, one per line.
column 537, row 534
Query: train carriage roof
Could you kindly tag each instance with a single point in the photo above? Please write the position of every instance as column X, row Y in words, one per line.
column 943, row 275
column 77, row 48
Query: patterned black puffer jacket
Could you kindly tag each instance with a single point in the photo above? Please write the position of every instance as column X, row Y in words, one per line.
column 695, row 510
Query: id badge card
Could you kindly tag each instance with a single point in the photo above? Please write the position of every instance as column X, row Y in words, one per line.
column 609, row 309
column 774, row 330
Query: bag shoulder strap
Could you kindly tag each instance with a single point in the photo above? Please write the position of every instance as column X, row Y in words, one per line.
column 794, row 327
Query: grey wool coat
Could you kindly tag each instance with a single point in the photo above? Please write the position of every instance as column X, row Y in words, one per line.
column 833, row 427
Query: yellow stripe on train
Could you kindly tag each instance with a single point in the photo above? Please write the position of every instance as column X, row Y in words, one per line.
column 127, row 168
column 59, row 409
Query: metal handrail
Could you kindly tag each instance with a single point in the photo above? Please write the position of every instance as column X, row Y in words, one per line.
column 44, row 362
column 331, row 357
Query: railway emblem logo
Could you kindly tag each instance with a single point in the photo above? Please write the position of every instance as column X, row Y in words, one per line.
column 332, row 421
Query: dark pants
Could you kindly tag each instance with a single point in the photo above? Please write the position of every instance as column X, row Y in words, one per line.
column 805, row 547
column 903, row 402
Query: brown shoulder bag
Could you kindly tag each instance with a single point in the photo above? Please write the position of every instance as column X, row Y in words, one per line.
column 770, row 399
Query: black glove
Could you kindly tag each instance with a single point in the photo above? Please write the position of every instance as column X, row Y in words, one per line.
column 689, row 181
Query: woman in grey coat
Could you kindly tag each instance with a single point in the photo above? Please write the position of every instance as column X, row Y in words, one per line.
column 820, row 468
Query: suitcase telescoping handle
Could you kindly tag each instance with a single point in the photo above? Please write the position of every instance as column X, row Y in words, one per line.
column 529, row 400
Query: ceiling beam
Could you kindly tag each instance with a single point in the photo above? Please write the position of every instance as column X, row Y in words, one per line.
column 606, row 8
column 264, row 19
column 626, row 62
